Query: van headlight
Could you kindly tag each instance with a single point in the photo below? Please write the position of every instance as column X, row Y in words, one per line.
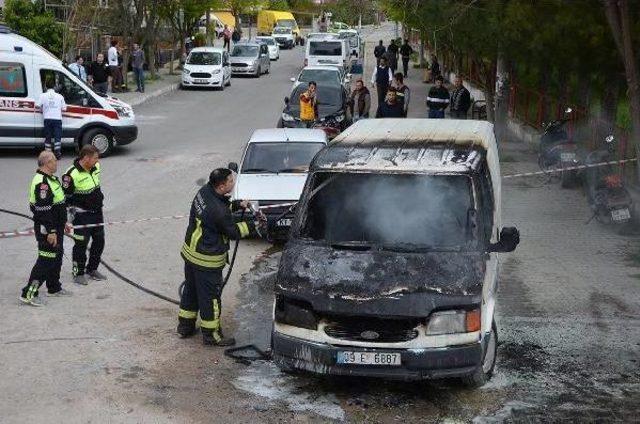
column 186, row 71
column 287, row 117
column 295, row 313
column 122, row 111
column 456, row 321
column 339, row 118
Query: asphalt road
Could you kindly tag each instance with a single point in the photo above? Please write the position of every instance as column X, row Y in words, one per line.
column 568, row 305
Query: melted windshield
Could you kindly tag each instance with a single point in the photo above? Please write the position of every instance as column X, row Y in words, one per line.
column 391, row 210
column 278, row 157
column 245, row 51
column 204, row 58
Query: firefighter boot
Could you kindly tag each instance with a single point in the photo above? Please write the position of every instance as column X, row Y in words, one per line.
column 186, row 327
column 214, row 338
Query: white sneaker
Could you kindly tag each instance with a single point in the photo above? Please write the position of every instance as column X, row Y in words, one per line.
column 60, row 293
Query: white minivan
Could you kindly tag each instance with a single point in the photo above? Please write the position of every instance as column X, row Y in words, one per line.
column 207, row 67
column 90, row 118
column 325, row 51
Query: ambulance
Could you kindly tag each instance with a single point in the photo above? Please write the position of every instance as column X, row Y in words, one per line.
column 90, row 118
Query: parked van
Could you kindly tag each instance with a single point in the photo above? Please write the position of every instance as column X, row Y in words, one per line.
column 391, row 265
column 269, row 19
column 90, row 118
column 324, row 51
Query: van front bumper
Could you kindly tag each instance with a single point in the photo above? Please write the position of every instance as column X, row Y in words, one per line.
column 416, row 364
column 125, row 134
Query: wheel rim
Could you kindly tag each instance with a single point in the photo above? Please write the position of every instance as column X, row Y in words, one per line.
column 490, row 356
column 101, row 142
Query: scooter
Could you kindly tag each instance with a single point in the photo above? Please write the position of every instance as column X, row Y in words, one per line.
column 557, row 151
column 608, row 198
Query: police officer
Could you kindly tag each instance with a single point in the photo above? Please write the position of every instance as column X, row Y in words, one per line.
column 81, row 184
column 47, row 202
column 205, row 253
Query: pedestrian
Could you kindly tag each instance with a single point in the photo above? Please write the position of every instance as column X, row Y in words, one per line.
column 403, row 93
column 137, row 63
column 81, row 184
column 379, row 52
column 392, row 56
column 406, row 51
column 99, row 75
column 435, row 68
column 390, row 108
column 205, row 253
column 52, row 105
column 78, row 68
column 309, row 104
column 381, row 79
column 460, row 99
column 438, row 99
column 236, row 35
column 114, row 68
column 47, row 203
column 360, row 101
column 226, row 36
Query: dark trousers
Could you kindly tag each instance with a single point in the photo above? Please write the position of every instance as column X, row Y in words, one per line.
column 202, row 292
column 117, row 82
column 139, row 75
column 82, row 236
column 458, row 114
column 47, row 266
column 226, row 44
column 405, row 66
column 436, row 113
column 101, row 87
column 382, row 92
column 53, row 130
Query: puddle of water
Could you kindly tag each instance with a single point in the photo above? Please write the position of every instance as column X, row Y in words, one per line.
column 266, row 380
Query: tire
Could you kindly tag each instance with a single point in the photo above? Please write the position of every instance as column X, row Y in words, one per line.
column 484, row 372
column 229, row 82
column 268, row 70
column 101, row 138
column 258, row 72
column 221, row 88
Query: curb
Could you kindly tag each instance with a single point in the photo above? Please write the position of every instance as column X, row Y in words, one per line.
column 152, row 95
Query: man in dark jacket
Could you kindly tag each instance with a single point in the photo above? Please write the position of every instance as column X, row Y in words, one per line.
column 438, row 99
column 205, row 253
column 392, row 56
column 435, row 68
column 98, row 74
column 405, row 51
column 378, row 52
column 403, row 93
column 391, row 108
column 460, row 99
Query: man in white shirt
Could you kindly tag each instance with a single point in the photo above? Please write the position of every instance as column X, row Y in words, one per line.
column 114, row 69
column 78, row 69
column 52, row 105
column 381, row 79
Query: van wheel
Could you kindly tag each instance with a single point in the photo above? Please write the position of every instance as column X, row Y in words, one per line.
column 101, row 139
column 484, row 372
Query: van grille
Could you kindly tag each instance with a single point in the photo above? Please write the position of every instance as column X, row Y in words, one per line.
column 200, row 75
column 239, row 65
column 372, row 330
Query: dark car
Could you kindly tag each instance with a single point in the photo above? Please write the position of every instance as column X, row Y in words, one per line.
column 332, row 109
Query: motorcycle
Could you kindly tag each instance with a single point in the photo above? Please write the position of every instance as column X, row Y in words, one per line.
column 557, row 151
column 608, row 198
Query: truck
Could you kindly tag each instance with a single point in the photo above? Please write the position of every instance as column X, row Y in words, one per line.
column 269, row 19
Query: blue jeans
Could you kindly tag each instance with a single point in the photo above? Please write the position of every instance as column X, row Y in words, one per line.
column 53, row 129
column 139, row 76
column 437, row 114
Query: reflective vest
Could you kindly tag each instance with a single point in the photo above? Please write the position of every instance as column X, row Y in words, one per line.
column 307, row 109
column 47, row 202
column 83, row 187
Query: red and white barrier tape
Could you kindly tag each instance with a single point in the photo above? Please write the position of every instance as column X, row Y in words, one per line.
column 569, row 168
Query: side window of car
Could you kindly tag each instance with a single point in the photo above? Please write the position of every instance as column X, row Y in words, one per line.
column 13, row 80
column 72, row 92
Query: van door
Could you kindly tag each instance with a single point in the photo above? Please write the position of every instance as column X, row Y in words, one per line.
column 79, row 103
column 17, row 105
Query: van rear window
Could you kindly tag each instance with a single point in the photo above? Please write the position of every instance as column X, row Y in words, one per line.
column 325, row 48
column 13, row 80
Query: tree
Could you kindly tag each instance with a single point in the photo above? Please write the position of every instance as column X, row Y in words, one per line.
column 29, row 19
column 183, row 15
column 239, row 7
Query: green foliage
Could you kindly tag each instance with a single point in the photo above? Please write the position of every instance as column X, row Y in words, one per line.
column 30, row 20
column 278, row 5
column 349, row 11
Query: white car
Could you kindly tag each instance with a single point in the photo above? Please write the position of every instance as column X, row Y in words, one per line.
column 284, row 37
column 207, row 67
column 273, row 171
column 272, row 45
column 323, row 75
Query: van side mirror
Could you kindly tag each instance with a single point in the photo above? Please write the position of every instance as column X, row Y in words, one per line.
column 292, row 79
column 233, row 166
column 509, row 240
column 286, row 101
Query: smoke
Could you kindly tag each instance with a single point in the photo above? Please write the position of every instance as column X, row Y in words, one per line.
column 426, row 210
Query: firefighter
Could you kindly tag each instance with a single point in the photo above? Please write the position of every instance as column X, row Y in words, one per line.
column 47, row 202
column 81, row 184
column 205, row 253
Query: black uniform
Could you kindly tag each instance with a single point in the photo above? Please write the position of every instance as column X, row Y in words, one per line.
column 405, row 52
column 460, row 102
column 379, row 52
column 392, row 56
column 47, row 202
column 437, row 101
column 85, row 198
column 205, row 253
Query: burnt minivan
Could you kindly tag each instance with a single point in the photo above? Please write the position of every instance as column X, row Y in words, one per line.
column 391, row 266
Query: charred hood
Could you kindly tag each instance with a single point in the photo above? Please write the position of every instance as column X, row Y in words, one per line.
column 376, row 282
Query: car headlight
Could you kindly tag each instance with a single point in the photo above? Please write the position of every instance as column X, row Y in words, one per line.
column 450, row 322
column 287, row 117
column 295, row 313
column 339, row 118
column 186, row 71
column 122, row 111
column 215, row 72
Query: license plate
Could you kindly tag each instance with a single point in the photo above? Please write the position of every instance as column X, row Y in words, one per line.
column 369, row 358
column 285, row 222
column 567, row 157
column 620, row 214
column 200, row 81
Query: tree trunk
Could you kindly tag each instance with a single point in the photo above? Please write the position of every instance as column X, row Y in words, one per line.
column 618, row 16
column 502, row 97
column 423, row 61
column 609, row 104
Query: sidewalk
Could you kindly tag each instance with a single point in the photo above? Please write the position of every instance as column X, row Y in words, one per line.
column 165, row 83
